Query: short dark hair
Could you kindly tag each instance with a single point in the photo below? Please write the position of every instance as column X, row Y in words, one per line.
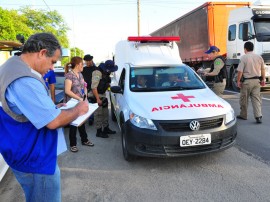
column 249, row 46
column 40, row 41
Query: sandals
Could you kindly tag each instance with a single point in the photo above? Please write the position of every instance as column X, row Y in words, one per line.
column 74, row 149
column 88, row 143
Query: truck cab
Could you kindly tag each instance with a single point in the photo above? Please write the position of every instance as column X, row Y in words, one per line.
column 250, row 23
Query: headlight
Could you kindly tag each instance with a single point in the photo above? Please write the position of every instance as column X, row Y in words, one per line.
column 141, row 122
column 229, row 116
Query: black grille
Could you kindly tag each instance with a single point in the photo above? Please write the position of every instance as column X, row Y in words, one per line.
column 176, row 150
column 181, row 126
column 266, row 58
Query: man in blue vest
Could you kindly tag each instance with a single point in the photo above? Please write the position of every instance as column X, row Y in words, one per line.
column 31, row 137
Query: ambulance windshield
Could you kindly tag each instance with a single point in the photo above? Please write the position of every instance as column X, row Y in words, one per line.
column 164, row 78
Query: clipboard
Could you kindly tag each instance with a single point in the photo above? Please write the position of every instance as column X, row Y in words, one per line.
column 81, row 119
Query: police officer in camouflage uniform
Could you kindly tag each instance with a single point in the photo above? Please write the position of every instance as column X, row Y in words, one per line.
column 100, row 83
column 217, row 72
column 252, row 71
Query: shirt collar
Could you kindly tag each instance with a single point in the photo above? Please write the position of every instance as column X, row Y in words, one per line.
column 35, row 72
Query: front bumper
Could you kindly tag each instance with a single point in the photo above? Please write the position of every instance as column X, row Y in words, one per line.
column 165, row 142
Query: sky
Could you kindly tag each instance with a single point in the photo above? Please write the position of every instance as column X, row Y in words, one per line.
column 97, row 25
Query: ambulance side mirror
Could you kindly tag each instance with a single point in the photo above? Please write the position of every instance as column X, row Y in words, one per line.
column 116, row 89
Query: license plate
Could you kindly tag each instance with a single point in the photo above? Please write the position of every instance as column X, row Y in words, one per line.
column 195, row 140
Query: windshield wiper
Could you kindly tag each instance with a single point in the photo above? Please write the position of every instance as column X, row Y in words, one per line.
column 186, row 87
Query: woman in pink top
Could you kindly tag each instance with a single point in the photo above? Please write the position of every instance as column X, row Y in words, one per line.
column 75, row 87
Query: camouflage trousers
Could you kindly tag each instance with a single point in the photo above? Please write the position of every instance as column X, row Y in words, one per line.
column 101, row 117
column 250, row 88
column 219, row 88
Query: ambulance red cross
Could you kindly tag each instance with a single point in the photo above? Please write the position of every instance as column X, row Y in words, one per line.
column 163, row 108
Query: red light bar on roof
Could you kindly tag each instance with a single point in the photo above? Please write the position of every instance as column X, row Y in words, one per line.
column 153, row 38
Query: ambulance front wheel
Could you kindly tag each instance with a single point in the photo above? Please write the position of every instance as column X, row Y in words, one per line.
column 112, row 113
column 127, row 155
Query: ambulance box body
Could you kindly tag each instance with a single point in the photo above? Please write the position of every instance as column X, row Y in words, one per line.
column 163, row 108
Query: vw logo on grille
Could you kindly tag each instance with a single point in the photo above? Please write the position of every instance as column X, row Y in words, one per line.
column 194, row 125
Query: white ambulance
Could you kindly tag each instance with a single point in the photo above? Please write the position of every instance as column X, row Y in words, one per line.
column 163, row 108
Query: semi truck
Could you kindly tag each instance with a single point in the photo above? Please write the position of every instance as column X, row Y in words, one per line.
column 227, row 25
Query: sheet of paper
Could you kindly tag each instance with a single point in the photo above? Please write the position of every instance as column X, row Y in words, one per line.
column 81, row 119
column 61, row 144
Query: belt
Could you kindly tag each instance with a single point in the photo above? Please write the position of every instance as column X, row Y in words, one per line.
column 220, row 81
column 255, row 77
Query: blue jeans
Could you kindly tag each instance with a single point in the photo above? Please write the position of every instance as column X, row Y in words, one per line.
column 38, row 187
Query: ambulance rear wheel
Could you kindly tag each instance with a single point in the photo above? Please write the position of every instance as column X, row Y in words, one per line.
column 126, row 154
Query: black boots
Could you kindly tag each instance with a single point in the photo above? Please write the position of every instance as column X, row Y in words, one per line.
column 107, row 130
column 259, row 119
column 101, row 133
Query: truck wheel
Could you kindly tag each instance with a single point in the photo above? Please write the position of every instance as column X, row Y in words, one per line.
column 234, row 80
column 112, row 113
column 127, row 155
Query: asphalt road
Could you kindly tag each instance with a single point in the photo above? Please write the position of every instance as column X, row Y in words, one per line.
column 101, row 174
column 253, row 138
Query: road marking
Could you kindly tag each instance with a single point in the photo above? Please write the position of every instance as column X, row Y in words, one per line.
column 266, row 99
column 228, row 96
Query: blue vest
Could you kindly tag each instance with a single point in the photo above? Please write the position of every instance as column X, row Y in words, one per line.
column 24, row 147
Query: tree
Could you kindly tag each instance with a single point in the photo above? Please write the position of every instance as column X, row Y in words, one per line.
column 76, row 52
column 73, row 52
column 11, row 24
column 27, row 21
column 47, row 21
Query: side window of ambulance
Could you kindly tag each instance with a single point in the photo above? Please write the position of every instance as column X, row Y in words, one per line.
column 122, row 79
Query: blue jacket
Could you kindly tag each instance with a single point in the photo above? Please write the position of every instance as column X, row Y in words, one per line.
column 24, row 147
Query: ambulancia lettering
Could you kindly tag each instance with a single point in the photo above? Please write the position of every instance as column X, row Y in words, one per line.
column 179, row 106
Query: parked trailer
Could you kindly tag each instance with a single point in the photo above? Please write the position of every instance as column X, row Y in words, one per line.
column 227, row 25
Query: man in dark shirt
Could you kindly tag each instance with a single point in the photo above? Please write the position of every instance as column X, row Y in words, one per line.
column 87, row 75
column 87, row 70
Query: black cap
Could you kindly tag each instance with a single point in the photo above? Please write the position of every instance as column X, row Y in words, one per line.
column 88, row 57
